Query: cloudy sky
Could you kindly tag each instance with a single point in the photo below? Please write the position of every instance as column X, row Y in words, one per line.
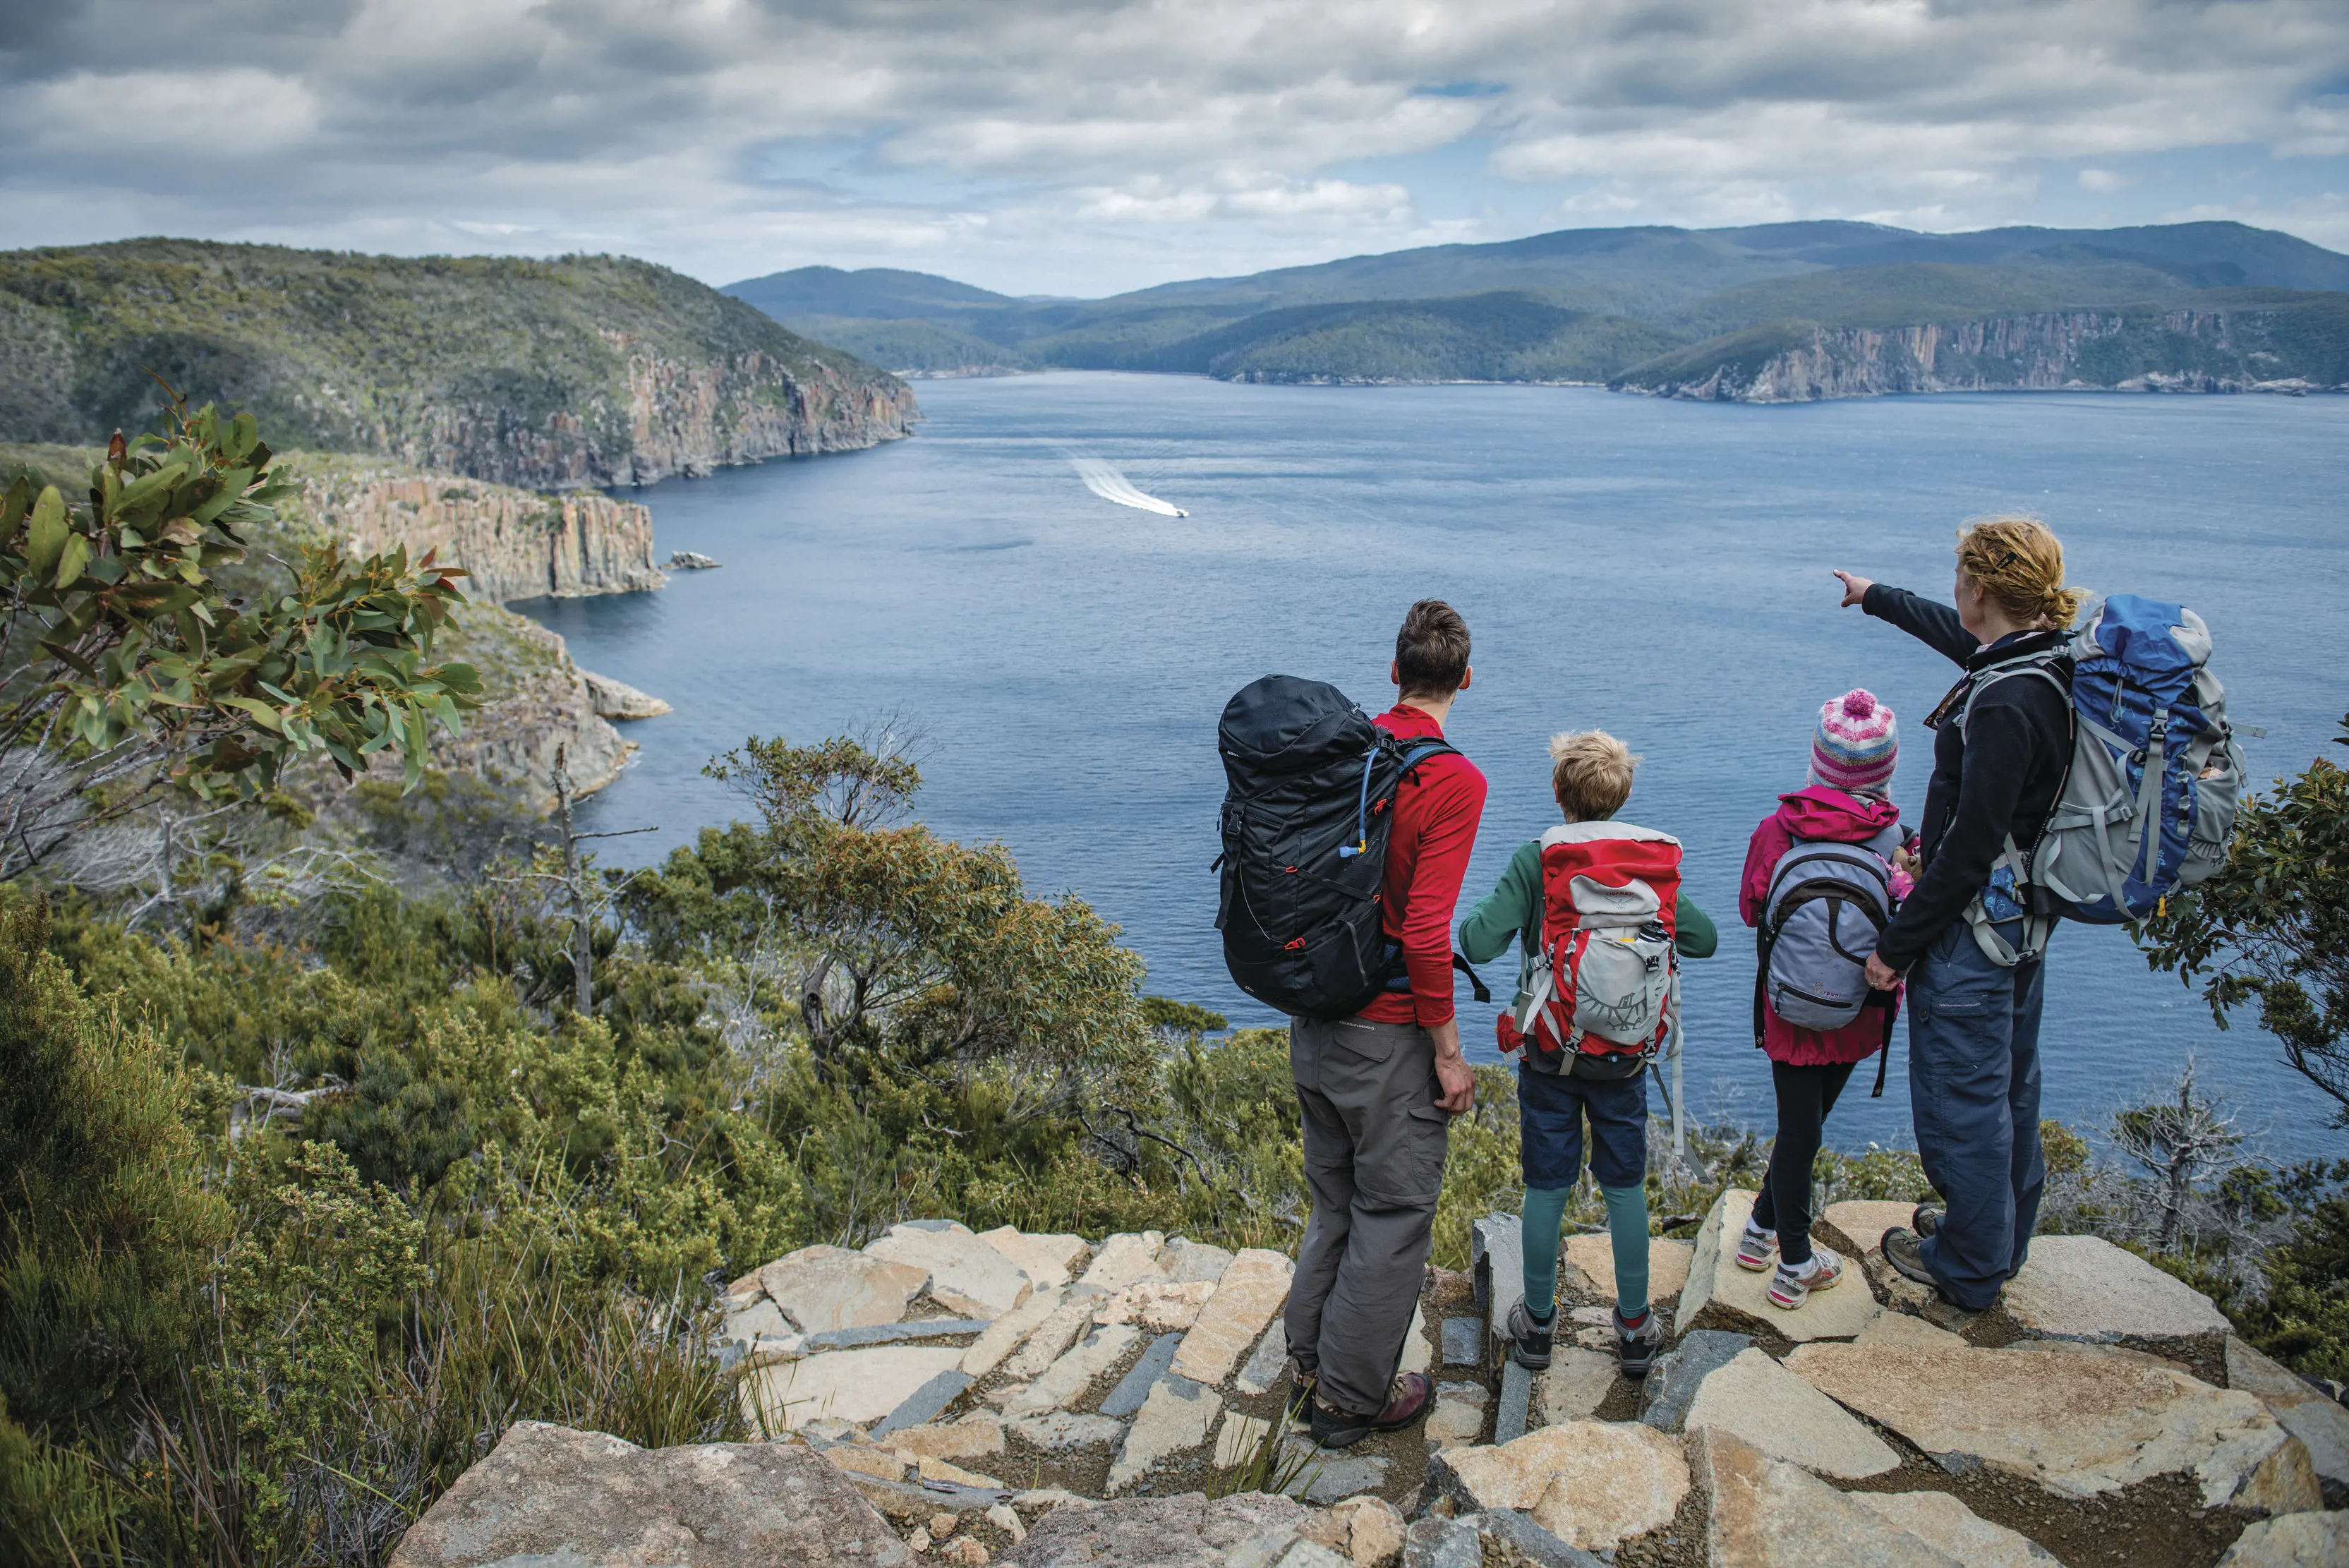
column 1090, row 146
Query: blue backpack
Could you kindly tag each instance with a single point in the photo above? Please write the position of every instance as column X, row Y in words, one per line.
column 2147, row 803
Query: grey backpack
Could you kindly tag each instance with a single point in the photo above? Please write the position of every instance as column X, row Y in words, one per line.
column 1829, row 902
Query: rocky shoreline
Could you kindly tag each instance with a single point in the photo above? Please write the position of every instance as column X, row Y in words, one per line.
column 1034, row 1399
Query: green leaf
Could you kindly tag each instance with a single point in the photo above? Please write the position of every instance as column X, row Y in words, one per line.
column 45, row 541
column 72, row 559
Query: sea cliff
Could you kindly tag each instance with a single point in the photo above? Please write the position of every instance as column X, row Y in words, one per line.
column 515, row 544
column 2182, row 350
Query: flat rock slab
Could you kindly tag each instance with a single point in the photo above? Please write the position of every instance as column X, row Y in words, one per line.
column 1265, row 1367
column 1000, row 1338
column 1857, row 1228
column 1251, row 1291
column 2294, row 1541
column 1764, row 1514
column 1576, row 1385
column 1900, row 1328
column 2085, row 1288
column 1185, row 1261
column 923, row 1404
column 1050, row 1339
column 1497, row 1266
column 2079, row 1424
column 1592, row 1484
column 1464, row 1342
column 1324, row 1477
column 830, row 1287
column 1177, row 1416
column 1458, row 1418
column 1592, row 1259
column 1671, row 1383
column 1125, row 1258
column 1435, row 1542
column 1134, row 1386
column 2321, row 1423
column 891, row 1334
column 859, row 1386
column 1047, row 1260
column 760, row 1319
column 1720, row 1294
column 1754, row 1398
column 1157, row 1304
column 1943, row 1522
column 1515, row 1412
column 1062, row 1429
column 1064, row 1382
column 1184, row 1531
column 550, row 1494
column 966, row 1275
column 972, row 1437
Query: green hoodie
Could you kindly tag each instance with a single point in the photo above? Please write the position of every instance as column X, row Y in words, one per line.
column 1515, row 909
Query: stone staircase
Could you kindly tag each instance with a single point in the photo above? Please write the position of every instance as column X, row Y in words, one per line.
column 946, row 1397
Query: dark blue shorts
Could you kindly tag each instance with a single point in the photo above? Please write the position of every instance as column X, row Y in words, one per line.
column 1550, row 1108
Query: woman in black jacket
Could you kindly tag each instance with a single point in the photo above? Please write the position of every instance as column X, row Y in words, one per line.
column 2003, row 740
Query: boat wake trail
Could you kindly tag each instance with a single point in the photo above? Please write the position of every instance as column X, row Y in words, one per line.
column 1108, row 483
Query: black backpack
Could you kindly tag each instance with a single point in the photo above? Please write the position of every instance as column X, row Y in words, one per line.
column 1306, row 813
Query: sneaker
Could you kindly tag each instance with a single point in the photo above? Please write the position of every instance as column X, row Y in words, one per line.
column 1904, row 1251
column 1757, row 1248
column 1792, row 1286
column 1529, row 1341
column 1407, row 1401
column 1926, row 1221
column 1636, row 1349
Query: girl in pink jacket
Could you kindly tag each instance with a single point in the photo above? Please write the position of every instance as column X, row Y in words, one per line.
column 1845, row 802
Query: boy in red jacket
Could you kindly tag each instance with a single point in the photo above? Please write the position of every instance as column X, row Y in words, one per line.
column 1854, row 751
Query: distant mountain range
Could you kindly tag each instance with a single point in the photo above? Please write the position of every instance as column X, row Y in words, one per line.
column 1781, row 312
column 586, row 370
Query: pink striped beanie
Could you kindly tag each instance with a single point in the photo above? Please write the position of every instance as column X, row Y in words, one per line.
column 1856, row 744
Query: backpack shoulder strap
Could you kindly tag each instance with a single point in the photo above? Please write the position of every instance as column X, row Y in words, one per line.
column 2040, row 664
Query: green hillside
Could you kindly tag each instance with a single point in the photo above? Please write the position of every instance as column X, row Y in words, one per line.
column 1626, row 305
column 469, row 363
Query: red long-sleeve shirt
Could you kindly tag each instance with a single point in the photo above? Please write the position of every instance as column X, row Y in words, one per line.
column 1436, row 812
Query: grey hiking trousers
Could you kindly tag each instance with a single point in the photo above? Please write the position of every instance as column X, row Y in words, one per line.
column 1374, row 1146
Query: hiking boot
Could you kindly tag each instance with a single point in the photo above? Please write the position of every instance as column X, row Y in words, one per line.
column 1926, row 1221
column 1793, row 1285
column 1636, row 1349
column 1407, row 1401
column 1756, row 1248
column 1529, row 1341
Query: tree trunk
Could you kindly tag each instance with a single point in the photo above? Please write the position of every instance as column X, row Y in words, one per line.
column 583, row 951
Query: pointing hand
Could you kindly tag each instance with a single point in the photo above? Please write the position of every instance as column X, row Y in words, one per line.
column 1855, row 588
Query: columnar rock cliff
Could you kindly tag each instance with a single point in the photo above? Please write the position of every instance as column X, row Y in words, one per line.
column 540, row 701
column 516, row 544
column 2122, row 350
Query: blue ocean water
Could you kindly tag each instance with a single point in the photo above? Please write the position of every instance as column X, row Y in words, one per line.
column 1657, row 569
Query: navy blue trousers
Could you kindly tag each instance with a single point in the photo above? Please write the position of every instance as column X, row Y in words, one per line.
column 1973, row 1089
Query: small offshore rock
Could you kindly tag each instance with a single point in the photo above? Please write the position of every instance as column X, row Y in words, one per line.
column 618, row 699
column 691, row 561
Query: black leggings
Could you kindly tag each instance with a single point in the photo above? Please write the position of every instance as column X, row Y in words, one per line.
column 1805, row 1095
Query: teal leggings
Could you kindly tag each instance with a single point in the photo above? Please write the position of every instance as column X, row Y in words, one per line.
column 1627, row 1225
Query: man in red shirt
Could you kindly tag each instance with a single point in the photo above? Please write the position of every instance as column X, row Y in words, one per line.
column 1379, row 1089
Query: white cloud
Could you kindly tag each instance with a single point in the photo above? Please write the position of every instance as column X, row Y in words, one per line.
column 1084, row 145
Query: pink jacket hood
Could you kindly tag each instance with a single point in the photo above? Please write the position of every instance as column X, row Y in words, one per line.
column 1819, row 812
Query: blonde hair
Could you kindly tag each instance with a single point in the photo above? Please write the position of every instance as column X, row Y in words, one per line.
column 1591, row 772
column 2019, row 563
